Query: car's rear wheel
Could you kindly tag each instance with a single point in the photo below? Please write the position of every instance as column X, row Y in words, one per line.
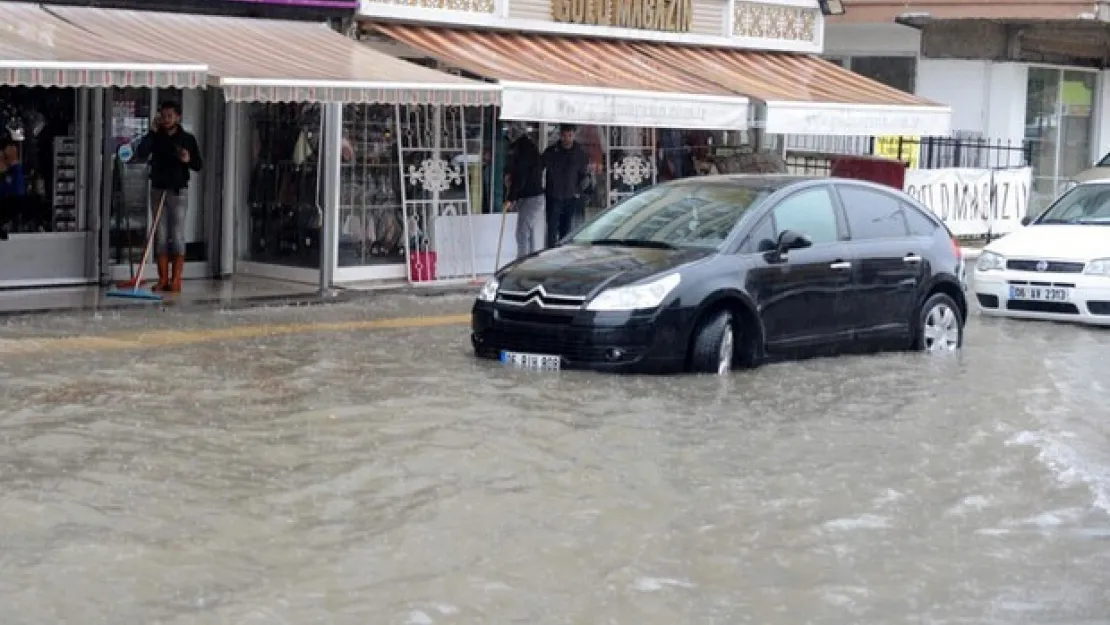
column 714, row 348
column 940, row 327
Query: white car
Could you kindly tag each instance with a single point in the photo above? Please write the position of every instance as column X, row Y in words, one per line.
column 1057, row 267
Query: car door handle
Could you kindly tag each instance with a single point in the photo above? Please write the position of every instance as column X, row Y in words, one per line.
column 911, row 258
column 840, row 265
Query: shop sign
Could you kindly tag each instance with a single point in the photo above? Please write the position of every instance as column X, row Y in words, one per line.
column 900, row 148
column 973, row 202
column 661, row 15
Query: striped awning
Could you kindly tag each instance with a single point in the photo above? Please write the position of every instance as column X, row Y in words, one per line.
column 809, row 96
column 37, row 49
column 257, row 60
column 547, row 78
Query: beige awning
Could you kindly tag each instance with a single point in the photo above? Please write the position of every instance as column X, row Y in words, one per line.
column 258, row 60
column 37, row 49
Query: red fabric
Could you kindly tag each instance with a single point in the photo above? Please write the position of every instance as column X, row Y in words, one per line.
column 422, row 266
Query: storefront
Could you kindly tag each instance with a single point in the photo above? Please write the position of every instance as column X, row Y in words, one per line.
column 264, row 99
column 657, row 91
column 53, row 79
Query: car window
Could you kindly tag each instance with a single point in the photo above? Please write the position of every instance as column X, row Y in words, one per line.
column 920, row 224
column 1085, row 204
column 680, row 215
column 808, row 212
column 872, row 214
column 761, row 238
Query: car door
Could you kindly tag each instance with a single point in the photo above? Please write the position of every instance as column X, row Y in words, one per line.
column 798, row 293
column 889, row 262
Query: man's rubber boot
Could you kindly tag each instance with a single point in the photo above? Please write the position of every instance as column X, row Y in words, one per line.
column 178, row 271
column 163, row 274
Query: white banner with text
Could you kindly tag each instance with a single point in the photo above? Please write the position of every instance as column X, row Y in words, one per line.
column 973, row 202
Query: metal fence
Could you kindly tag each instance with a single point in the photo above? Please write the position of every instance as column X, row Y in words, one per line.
column 813, row 155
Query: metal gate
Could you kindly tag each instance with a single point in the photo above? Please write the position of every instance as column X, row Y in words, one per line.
column 436, row 161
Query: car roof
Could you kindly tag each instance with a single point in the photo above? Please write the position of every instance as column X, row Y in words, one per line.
column 776, row 181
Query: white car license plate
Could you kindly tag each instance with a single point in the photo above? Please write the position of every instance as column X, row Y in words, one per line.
column 532, row 362
column 1040, row 293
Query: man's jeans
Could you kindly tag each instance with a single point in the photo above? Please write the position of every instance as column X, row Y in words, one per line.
column 560, row 218
column 529, row 225
column 169, row 239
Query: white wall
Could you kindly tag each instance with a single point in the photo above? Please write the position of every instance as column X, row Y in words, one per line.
column 985, row 97
column 871, row 40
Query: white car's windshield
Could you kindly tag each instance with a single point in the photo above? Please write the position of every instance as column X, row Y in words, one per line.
column 682, row 215
column 1085, row 204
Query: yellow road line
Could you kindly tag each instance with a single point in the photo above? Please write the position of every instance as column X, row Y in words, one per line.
column 178, row 338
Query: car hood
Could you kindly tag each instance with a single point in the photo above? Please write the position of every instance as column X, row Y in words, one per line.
column 1055, row 241
column 582, row 270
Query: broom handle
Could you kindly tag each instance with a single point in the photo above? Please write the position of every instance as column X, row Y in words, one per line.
column 501, row 236
column 150, row 238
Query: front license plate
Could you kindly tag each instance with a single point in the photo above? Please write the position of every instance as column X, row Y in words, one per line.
column 531, row 362
column 1040, row 293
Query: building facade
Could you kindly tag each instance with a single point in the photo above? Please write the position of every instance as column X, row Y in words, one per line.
column 1026, row 76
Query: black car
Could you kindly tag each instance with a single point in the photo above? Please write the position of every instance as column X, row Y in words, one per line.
column 707, row 273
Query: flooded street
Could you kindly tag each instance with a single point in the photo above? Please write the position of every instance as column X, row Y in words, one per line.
column 377, row 474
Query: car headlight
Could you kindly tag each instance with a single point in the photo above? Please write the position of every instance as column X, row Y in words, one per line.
column 637, row 296
column 489, row 290
column 989, row 261
column 1098, row 267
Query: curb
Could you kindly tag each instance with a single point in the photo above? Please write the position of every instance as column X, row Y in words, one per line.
column 245, row 303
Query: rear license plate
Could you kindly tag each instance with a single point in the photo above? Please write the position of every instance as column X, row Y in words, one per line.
column 531, row 362
column 1040, row 293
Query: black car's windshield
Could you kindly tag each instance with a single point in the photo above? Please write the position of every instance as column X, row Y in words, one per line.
column 1085, row 204
column 670, row 216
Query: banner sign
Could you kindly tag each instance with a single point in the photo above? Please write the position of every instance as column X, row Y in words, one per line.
column 973, row 202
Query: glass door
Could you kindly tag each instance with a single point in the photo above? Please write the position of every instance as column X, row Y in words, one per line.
column 1059, row 114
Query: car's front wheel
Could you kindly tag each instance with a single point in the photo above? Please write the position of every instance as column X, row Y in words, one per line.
column 714, row 346
column 940, row 326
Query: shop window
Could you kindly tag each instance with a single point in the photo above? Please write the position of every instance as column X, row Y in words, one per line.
column 371, row 216
column 38, row 169
column 1059, row 110
column 283, row 191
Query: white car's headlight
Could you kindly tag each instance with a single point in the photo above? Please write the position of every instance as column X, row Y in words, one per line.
column 989, row 261
column 637, row 296
column 1098, row 267
column 489, row 290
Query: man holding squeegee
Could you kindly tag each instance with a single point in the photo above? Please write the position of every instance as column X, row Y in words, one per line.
column 172, row 153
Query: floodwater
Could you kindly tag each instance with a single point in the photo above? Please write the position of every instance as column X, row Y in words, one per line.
column 382, row 476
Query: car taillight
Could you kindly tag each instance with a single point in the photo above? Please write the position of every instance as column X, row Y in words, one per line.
column 956, row 246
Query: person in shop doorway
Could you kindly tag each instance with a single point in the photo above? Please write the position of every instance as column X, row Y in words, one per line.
column 13, row 184
column 172, row 153
column 524, row 193
column 567, row 169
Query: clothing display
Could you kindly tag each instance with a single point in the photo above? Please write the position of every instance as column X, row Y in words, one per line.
column 38, row 169
column 371, row 219
column 285, row 222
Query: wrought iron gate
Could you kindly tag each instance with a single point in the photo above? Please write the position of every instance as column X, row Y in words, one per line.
column 436, row 160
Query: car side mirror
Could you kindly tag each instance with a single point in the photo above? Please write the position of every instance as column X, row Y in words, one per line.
column 1025, row 221
column 791, row 240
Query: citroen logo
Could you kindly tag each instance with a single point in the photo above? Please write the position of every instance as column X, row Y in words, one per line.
column 1042, row 265
column 536, row 296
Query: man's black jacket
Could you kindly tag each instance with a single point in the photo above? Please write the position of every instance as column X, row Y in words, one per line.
column 167, row 172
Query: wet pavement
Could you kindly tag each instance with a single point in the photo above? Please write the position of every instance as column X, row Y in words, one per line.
column 320, row 465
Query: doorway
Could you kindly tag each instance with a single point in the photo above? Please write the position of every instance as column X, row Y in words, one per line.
column 1059, row 114
column 129, row 213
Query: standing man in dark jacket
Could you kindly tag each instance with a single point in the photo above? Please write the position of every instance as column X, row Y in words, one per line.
column 172, row 153
column 568, row 176
column 525, row 192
